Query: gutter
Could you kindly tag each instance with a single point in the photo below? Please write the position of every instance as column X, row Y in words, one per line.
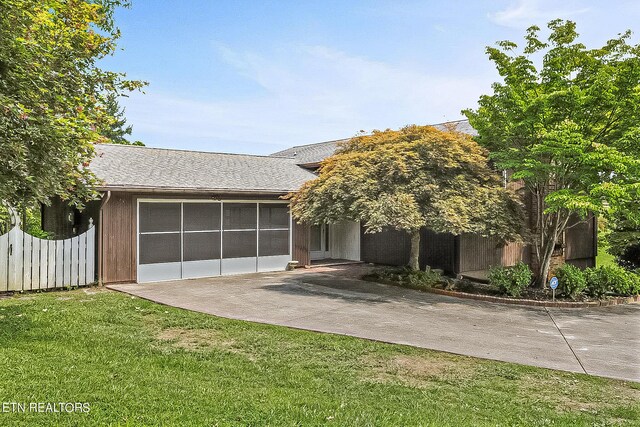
column 169, row 190
column 100, row 237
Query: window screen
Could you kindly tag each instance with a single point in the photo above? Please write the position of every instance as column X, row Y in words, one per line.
column 240, row 216
column 159, row 248
column 201, row 246
column 274, row 242
column 239, row 244
column 201, row 216
column 159, row 217
column 274, row 216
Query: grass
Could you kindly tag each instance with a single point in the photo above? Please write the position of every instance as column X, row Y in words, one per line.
column 140, row 363
column 604, row 257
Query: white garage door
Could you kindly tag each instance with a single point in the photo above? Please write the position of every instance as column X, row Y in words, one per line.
column 188, row 239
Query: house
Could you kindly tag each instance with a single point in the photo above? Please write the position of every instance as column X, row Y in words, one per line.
column 174, row 214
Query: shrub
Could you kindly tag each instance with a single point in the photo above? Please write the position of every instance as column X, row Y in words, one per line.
column 417, row 278
column 404, row 276
column 511, row 280
column 571, row 280
column 611, row 278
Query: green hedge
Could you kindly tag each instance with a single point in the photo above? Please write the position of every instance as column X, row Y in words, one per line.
column 511, row 280
column 597, row 282
column 571, row 280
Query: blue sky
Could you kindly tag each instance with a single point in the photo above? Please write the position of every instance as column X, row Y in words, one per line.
column 260, row 76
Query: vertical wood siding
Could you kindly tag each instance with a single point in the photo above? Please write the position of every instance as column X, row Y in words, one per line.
column 119, row 239
column 301, row 244
column 388, row 247
column 581, row 241
column 481, row 253
column 439, row 250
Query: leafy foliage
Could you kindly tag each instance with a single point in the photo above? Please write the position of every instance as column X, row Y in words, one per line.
column 571, row 280
column 567, row 126
column 624, row 238
column 406, row 277
column 30, row 218
column 116, row 129
column 511, row 280
column 415, row 177
column 53, row 96
column 611, row 279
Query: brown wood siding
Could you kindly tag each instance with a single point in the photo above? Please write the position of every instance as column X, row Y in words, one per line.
column 581, row 241
column 481, row 253
column 301, row 244
column 439, row 250
column 119, row 239
column 390, row 247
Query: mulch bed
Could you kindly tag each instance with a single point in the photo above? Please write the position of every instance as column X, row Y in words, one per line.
column 530, row 297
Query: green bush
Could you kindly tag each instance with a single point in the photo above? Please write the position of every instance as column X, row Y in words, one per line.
column 611, row 279
column 511, row 280
column 422, row 278
column 571, row 280
column 404, row 276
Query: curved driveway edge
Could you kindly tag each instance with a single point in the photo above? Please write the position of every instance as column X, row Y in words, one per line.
column 602, row 341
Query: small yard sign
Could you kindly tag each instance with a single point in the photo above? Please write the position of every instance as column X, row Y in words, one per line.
column 553, row 284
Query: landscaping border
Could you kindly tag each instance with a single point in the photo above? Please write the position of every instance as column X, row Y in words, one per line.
column 537, row 303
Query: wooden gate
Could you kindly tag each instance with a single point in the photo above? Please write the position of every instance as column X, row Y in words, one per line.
column 29, row 263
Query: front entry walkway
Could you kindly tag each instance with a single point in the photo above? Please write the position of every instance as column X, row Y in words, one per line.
column 599, row 341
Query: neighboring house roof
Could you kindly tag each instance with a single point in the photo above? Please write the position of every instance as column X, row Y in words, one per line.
column 313, row 154
column 129, row 167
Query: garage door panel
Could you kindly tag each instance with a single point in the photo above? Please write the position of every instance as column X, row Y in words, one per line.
column 239, row 265
column 201, row 216
column 201, row 246
column 159, row 217
column 189, row 239
column 239, row 216
column 273, row 263
column 205, row 268
column 239, row 244
column 159, row 272
column 273, row 243
column 160, row 248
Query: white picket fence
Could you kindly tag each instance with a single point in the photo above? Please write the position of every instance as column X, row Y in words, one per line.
column 29, row 263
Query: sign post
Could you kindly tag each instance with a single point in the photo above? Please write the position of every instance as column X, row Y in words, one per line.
column 553, row 284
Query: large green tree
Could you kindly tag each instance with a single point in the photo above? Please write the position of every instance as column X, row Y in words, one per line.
column 116, row 130
column 566, row 121
column 53, row 95
column 408, row 179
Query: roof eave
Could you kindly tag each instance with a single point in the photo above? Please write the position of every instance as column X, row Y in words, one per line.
column 156, row 190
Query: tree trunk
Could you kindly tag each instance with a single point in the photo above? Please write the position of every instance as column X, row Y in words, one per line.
column 553, row 227
column 414, row 255
column 544, row 263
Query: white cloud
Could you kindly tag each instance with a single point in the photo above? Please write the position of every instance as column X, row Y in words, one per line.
column 524, row 13
column 309, row 94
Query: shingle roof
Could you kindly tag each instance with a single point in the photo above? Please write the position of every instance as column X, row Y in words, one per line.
column 312, row 154
column 133, row 167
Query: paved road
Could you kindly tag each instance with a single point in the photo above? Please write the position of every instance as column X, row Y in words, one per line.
column 599, row 341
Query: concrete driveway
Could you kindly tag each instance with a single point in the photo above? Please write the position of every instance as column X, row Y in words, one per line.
column 601, row 341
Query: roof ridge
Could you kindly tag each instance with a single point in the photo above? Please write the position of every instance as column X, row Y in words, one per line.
column 317, row 143
column 192, row 151
column 449, row 122
column 345, row 139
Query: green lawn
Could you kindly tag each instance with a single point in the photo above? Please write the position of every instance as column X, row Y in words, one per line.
column 139, row 363
column 604, row 257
